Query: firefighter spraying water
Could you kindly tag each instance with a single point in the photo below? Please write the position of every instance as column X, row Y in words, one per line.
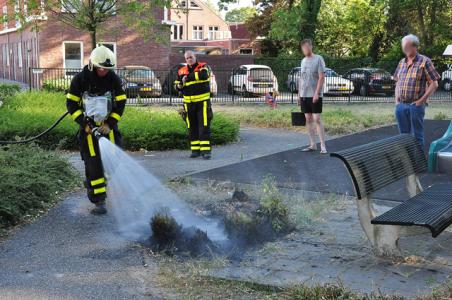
column 96, row 101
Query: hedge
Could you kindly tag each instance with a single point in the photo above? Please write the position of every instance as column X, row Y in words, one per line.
column 32, row 179
column 29, row 113
column 8, row 90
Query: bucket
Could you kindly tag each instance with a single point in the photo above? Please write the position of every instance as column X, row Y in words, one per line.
column 298, row 119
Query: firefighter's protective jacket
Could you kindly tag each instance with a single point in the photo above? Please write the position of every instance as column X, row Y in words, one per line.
column 197, row 86
column 89, row 81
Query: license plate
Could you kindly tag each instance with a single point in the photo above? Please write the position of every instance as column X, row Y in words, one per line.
column 386, row 86
column 343, row 89
column 146, row 89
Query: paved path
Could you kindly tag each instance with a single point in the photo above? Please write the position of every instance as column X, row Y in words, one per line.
column 317, row 172
column 70, row 254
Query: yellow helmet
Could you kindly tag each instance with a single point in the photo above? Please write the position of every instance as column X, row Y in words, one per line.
column 102, row 57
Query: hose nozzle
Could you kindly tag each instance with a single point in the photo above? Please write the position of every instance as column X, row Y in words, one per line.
column 96, row 133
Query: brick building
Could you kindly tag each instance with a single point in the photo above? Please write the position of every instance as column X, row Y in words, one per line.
column 195, row 26
column 60, row 46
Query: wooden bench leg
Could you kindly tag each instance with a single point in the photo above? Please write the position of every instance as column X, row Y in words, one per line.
column 383, row 238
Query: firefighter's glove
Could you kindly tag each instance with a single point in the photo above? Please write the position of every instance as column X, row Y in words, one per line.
column 104, row 129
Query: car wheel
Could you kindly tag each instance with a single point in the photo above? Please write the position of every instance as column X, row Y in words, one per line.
column 230, row 89
column 293, row 87
column 363, row 90
column 447, row 85
column 245, row 93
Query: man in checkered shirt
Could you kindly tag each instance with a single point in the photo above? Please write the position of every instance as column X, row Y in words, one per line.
column 416, row 80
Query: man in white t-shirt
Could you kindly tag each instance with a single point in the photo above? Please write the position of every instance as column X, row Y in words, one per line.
column 310, row 91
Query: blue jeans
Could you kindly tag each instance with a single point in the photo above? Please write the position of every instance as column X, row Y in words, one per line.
column 410, row 119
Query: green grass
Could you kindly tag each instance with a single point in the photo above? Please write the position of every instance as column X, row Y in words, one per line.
column 191, row 280
column 27, row 114
column 31, row 181
column 337, row 118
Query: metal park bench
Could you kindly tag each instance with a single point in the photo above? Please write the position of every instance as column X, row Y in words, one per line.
column 375, row 165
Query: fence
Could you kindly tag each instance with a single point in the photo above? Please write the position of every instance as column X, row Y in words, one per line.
column 246, row 84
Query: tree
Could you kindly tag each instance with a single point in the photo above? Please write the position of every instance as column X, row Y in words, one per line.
column 240, row 15
column 90, row 15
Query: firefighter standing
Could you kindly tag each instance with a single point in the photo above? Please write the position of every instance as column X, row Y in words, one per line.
column 193, row 81
column 96, row 80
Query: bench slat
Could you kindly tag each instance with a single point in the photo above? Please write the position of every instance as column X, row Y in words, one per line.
column 432, row 209
column 375, row 165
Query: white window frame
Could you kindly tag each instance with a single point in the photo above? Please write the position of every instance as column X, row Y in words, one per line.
column 213, row 33
column 64, row 52
column 176, row 28
column 198, row 34
column 226, row 34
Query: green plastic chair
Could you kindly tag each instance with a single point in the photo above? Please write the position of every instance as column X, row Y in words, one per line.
column 436, row 146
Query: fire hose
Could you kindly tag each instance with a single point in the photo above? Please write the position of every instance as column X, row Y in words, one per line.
column 94, row 129
column 39, row 135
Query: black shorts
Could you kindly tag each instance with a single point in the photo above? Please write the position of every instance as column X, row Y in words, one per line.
column 311, row 108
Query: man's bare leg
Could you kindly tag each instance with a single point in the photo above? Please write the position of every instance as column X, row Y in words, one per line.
column 320, row 130
column 311, row 132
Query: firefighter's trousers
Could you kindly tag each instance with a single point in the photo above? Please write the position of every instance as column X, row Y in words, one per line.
column 95, row 182
column 199, row 117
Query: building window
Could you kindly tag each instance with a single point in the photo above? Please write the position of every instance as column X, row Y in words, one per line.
column 73, row 56
column 213, row 33
column 177, row 32
column 226, row 34
column 246, row 51
column 197, row 33
column 5, row 17
column 194, row 5
column 191, row 4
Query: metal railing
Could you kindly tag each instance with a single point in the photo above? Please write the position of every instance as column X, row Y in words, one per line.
column 255, row 85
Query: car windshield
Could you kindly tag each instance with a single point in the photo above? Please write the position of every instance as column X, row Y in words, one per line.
column 142, row 73
column 261, row 74
column 331, row 73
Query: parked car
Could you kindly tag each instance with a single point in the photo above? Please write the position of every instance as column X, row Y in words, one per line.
column 334, row 83
column 446, row 79
column 252, row 80
column 168, row 83
column 140, row 81
column 371, row 81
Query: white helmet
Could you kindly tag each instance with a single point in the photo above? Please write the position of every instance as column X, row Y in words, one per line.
column 102, row 57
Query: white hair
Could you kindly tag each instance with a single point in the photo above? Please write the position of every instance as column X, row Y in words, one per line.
column 412, row 38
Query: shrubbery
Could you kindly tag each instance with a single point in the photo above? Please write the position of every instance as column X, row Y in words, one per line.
column 8, row 90
column 30, row 181
column 56, row 85
column 28, row 114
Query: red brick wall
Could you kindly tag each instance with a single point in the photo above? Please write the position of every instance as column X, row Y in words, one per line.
column 131, row 49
